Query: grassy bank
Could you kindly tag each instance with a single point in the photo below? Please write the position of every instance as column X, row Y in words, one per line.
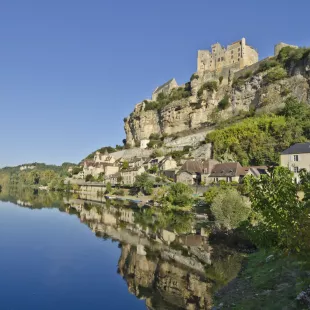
column 268, row 281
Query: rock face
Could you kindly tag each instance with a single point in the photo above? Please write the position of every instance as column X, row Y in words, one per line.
column 200, row 110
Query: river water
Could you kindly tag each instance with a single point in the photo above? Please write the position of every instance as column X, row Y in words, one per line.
column 70, row 253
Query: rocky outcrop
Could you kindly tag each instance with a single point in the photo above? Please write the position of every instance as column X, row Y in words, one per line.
column 200, row 110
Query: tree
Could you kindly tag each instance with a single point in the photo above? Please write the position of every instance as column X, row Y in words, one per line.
column 153, row 169
column 144, row 184
column 277, row 210
column 120, row 179
column 230, row 209
column 125, row 165
column 180, row 195
column 89, row 178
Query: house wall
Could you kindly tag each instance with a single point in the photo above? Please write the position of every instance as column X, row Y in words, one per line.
column 111, row 170
column 290, row 162
column 226, row 179
column 186, row 178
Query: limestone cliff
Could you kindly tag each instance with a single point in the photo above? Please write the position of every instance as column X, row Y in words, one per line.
column 201, row 108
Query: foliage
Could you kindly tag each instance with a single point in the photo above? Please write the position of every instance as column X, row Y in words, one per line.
column 178, row 155
column 163, row 99
column 119, row 192
column 119, row 179
column 89, row 178
column 144, row 184
column 154, row 136
column 238, row 82
column 271, row 63
column 213, row 191
column 221, row 79
column 125, row 165
column 156, row 153
column 289, row 55
column 153, row 169
column 208, row 86
column 76, row 170
column 154, row 143
column 125, row 119
column 230, row 209
column 278, row 213
column 259, row 140
column 224, row 103
column 275, row 74
column 179, row 195
column 194, row 77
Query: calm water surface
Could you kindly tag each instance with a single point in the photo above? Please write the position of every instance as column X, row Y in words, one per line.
column 70, row 253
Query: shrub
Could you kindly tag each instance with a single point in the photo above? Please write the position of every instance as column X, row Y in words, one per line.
column 108, row 188
column 180, row 195
column 224, row 103
column 89, row 178
column 194, row 77
column 209, row 86
column 267, row 65
column 275, row 74
column 230, row 209
column 154, row 136
column 221, row 79
column 125, row 119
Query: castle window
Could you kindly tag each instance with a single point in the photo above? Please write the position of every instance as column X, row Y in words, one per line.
column 222, row 58
column 238, row 48
column 238, row 59
column 232, row 52
column 219, row 59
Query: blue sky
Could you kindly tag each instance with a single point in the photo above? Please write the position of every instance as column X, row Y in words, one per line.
column 71, row 70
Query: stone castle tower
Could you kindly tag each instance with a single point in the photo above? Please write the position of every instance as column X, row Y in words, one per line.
column 236, row 56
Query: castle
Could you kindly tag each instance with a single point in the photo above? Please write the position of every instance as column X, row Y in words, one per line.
column 236, row 56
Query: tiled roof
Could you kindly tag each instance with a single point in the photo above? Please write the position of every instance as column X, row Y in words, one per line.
column 298, row 148
column 227, row 170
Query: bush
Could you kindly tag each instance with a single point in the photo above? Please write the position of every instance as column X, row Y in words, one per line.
column 289, row 54
column 119, row 192
column 125, row 119
column 209, row 86
column 224, row 103
column 230, row 209
column 180, row 195
column 275, row 74
column 221, row 79
column 89, row 178
column 267, row 65
column 154, row 136
column 194, row 77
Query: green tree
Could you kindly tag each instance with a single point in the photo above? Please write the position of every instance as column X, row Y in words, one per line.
column 230, row 209
column 125, row 165
column 277, row 210
column 180, row 195
column 144, row 184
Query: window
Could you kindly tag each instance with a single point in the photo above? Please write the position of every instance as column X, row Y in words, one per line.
column 295, row 158
column 222, row 58
column 229, row 179
column 232, row 52
column 219, row 59
column 296, row 169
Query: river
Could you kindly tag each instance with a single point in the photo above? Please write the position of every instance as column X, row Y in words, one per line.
column 70, row 253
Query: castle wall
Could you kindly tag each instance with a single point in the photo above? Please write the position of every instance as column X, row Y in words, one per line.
column 237, row 55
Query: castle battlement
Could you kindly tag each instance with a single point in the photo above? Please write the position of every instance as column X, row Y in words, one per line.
column 236, row 56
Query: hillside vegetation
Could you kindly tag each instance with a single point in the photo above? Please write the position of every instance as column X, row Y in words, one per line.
column 259, row 140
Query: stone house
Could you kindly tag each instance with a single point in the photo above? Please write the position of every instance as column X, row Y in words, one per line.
column 255, row 171
column 186, row 177
column 208, row 166
column 136, row 162
column 295, row 158
column 153, row 162
column 228, row 172
column 129, row 175
column 167, row 163
column 96, row 168
column 113, row 178
column 171, row 173
column 195, row 168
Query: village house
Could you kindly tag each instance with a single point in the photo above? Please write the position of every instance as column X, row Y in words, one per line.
column 129, row 175
column 167, row 163
column 228, row 172
column 190, row 172
column 295, row 158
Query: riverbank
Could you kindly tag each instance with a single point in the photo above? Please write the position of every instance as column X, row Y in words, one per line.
column 268, row 281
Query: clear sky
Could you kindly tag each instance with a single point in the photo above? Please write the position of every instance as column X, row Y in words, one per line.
column 71, row 70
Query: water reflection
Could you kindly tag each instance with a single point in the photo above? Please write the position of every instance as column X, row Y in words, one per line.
column 166, row 257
